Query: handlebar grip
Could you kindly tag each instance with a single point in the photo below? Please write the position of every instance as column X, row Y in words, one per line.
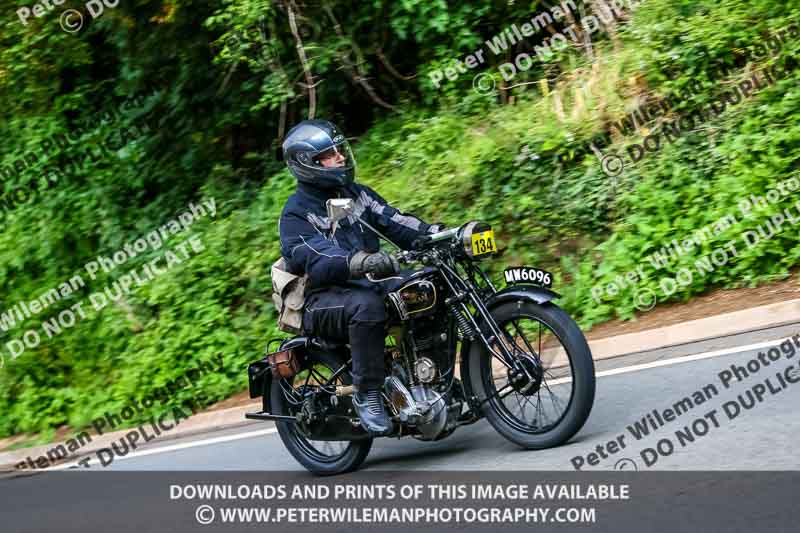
column 443, row 235
column 420, row 242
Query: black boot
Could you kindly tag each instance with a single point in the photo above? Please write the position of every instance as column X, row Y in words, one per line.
column 369, row 406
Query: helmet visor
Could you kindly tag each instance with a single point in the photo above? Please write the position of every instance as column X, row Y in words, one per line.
column 337, row 156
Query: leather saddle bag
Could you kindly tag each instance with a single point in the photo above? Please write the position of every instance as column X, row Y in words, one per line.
column 288, row 295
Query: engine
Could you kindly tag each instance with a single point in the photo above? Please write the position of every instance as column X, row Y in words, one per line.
column 416, row 306
column 418, row 385
column 421, row 408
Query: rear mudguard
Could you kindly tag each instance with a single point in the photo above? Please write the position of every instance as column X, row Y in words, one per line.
column 514, row 293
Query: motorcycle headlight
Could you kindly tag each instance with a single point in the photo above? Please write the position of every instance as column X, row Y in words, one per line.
column 477, row 239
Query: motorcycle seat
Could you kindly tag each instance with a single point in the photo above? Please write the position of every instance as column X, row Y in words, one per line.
column 315, row 342
column 327, row 344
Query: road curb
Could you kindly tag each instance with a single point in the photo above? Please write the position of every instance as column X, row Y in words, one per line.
column 736, row 322
column 744, row 321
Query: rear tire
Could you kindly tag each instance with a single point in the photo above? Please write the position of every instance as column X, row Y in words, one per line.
column 581, row 368
column 300, row 447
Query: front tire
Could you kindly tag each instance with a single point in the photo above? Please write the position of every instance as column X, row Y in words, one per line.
column 319, row 459
column 565, row 343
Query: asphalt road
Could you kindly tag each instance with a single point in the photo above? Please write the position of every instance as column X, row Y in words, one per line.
column 709, row 436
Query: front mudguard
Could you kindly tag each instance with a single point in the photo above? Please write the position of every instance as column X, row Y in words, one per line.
column 515, row 293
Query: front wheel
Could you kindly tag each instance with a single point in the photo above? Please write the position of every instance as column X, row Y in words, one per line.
column 545, row 397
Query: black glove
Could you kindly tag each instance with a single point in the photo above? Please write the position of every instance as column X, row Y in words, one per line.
column 439, row 226
column 419, row 242
column 379, row 264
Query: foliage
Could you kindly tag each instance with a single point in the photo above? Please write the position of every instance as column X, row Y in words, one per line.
column 219, row 85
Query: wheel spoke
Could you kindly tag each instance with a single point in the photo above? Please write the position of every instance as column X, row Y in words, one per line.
column 533, row 353
column 548, row 374
column 539, row 407
column 321, row 450
column 553, row 396
column 520, row 405
column 527, row 401
column 531, row 413
column 497, row 392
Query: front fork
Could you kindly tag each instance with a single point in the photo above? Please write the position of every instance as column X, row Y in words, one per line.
column 471, row 330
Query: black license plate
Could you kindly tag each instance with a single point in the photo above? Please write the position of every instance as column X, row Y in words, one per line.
column 536, row 276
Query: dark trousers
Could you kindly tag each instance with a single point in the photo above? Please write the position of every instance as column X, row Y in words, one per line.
column 354, row 313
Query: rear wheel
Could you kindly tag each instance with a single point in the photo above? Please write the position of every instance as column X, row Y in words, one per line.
column 546, row 397
column 321, row 457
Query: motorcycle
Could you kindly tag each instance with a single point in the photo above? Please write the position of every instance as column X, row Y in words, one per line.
column 458, row 350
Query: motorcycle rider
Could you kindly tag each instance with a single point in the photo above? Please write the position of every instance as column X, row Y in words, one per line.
column 340, row 303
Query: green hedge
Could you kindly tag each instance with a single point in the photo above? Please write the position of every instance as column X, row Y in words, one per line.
column 451, row 156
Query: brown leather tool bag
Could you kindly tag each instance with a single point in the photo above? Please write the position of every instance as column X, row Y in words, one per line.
column 284, row 363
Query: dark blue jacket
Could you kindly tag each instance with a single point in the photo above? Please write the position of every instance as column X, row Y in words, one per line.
column 308, row 248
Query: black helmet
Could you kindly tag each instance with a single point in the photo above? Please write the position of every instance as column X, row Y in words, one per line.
column 318, row 154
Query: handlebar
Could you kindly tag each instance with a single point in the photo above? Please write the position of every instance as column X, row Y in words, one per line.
column 421, row 251
column 412, row 256
column 421, row 248
column 435, row 237
column 443, row 235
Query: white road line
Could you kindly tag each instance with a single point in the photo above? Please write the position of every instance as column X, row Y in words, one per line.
column 175, row 447
column 689, row 358
column 612, row 372
column 678, row 360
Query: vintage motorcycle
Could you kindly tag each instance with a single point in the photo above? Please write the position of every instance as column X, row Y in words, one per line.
column 458, row 350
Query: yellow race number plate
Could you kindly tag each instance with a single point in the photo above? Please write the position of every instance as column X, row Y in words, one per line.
column 483, row 243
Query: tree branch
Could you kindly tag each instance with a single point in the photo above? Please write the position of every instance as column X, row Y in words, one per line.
column 390, row 68
column 282, row 122
column 357, row 77
column 301, row 53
